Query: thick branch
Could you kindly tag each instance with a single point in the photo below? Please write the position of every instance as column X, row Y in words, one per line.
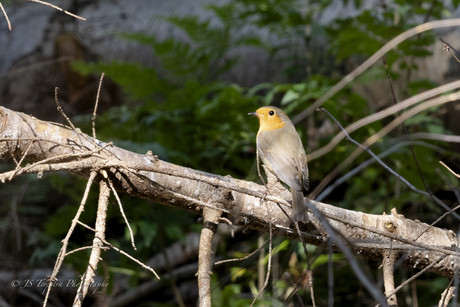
column 146, row 177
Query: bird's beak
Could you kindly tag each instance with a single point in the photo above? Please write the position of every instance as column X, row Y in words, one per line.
column 253, row 114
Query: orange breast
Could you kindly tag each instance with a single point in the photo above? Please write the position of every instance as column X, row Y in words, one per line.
column 270, row 123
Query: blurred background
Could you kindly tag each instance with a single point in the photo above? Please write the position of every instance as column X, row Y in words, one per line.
column 181, row 77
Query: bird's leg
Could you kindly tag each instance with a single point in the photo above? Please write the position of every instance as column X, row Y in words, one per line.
column 261, row 178
column 258, row 169
column 272, row 180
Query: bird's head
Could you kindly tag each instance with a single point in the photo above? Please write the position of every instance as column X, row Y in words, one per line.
column 271, row 118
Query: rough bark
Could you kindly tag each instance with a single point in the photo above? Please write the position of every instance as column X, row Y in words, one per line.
column 146, row 177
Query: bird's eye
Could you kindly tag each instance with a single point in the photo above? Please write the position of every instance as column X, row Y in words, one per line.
column 271, row 113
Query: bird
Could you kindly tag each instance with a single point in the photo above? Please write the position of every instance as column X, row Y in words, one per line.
column 281, row 150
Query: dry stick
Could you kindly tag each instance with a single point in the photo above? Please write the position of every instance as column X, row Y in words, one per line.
column 61, row 110
column 447, row 294
column 95, row 105
column 6, row 17
column 104, row 173
column 413, row 277
column 243, row 258
column 65, row 242
column 374, row 58
column 269, row 265
column 57, row 8
column 382, row 114
column 83, row 248
column 132, row 258
column 122, row 252
column 57, row 158
column 211, row 220
column 77, row 131
column 88, row 276
column 435, row 222
column 389, row 127
column 388, row 261
column 448, row 168
column 56, row 99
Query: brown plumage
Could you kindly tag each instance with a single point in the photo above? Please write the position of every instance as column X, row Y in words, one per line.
column 281, row 150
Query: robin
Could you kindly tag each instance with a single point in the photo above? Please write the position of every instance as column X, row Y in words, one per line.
column 281, row 150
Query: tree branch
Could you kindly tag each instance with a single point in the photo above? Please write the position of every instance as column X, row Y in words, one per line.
column 146, row 177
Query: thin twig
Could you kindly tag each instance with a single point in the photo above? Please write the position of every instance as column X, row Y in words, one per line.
column 448, row 47
column 104, row 173
column 437, row 200
column 453, row 173
column 6, row 17
column 57, row 8
column 56, row 159
column 95, row 106
column 377, row 136
column 65, row 242
column 77, row 131
column 132, row 258
column 268, row 267
column 364, row 165
column 457, row 195
column 122, row 252
column 56, row 99
column 309, row 271
column 243, row 258
column 18, row 166
column 83, row 248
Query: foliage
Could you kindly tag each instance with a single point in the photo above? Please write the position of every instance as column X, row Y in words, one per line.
column 193, row 119
column 185, row 112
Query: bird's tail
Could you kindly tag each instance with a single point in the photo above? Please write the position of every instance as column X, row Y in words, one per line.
column 299, row 208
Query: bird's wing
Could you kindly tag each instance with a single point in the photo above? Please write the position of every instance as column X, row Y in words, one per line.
column 277, row 151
